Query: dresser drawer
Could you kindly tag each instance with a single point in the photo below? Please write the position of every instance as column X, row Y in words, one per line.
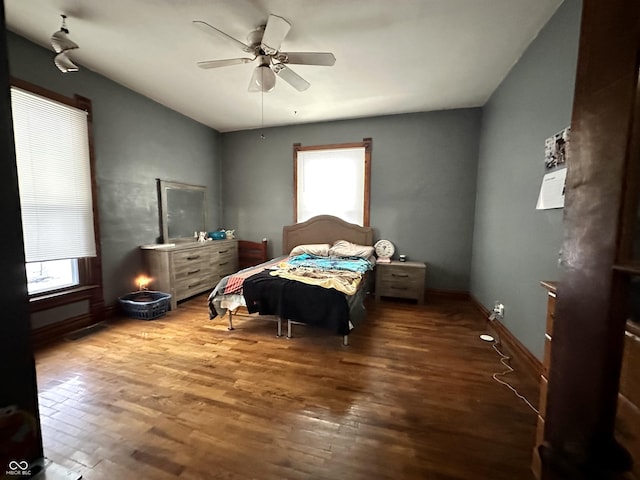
column 551, row 312
column 184, row 270
column 191, row 272
column 224, row 261
column 546, row 360
column 188, row 258
column 542, row 405
column 402, row 289
column 397, row 273
column 223, row 250
column 630, row 374
column 546, row 366
column 401, row 280
column 188, row 265
column 188, row 287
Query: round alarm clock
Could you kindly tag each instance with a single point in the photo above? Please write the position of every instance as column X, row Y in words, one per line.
column 384, row 250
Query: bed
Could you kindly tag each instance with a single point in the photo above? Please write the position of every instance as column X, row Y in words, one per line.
column 275, row 291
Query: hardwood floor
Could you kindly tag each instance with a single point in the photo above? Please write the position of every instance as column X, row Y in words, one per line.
column 181, row 397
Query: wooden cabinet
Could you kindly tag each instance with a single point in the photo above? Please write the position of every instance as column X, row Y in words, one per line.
column 184, row 270
column 400, row 280
column 544, row 375
column 628, row 414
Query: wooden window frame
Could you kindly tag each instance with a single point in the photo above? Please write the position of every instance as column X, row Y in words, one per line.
column 366, row 144
column 89, row 269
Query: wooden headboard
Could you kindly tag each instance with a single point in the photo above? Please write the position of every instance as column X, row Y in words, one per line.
column 324, row 229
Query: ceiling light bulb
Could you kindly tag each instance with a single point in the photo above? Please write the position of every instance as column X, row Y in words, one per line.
column 266, row 79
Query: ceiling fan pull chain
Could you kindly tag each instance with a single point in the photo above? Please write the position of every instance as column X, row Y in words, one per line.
column 262, row 137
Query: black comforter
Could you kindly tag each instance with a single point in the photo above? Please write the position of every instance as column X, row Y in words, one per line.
column 297, row 301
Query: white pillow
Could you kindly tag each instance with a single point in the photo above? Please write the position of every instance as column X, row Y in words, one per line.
column 319, row 249
column 343, row 248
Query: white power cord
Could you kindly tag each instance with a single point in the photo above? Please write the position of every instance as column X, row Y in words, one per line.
column 503, row 360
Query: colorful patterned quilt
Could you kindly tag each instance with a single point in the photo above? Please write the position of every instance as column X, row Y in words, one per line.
column 339, row 273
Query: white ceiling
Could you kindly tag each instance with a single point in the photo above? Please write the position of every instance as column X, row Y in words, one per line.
column 392, row 56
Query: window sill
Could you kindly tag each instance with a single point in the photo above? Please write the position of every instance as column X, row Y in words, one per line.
column 45, row 301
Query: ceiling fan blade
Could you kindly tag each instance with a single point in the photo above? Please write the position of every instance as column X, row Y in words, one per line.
column 64, row 63
column 224, row 63
column 60, row 42
column 306, row 58
column 274, row 33
column 291, row 77
column 205, row 27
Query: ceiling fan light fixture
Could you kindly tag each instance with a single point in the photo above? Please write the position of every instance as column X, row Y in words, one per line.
column 61, row 44
column 264, row 43
column 263, row 79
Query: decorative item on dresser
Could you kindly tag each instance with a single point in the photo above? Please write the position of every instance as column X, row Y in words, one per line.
column 186, row 269
column 384, row 250
column 544, row 375
column 401, row 280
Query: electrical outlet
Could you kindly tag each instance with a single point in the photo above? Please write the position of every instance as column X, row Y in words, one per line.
column 498, row 309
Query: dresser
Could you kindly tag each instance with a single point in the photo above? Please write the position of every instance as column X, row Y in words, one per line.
column 187, row 269
column 400, row 280
column 627, row 430
column 544, row 375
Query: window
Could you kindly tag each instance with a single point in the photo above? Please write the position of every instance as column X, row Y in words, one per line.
column 51, row 275
column 53, row 156
column 333, row 180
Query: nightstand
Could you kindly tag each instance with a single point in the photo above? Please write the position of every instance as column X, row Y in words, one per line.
column 400, row 280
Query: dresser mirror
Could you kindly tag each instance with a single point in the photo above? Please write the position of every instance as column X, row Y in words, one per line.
column 182, row 210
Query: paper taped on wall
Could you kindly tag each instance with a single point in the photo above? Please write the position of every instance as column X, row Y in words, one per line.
column 552, row 190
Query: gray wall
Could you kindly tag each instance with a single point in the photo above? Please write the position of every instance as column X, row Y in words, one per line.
column 456, row 189
column 423, row 181
column 136, row 141
column 516, row 246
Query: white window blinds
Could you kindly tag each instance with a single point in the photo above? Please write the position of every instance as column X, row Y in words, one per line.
column 54, row 178
column 331, row 182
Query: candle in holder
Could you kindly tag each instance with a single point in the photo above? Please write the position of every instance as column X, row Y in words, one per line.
column 142, row 282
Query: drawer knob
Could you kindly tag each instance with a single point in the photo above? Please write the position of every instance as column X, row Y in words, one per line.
column 403, row 275
column 191, row 272
column 223, row 251
column 194, row 257
column 221, row 264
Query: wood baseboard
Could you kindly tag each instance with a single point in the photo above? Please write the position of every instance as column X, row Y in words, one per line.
column 56, row 331
column 523, row 356
column 447, row 294
column 111, row 311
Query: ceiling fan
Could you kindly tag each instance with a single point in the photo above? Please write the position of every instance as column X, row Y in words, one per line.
column 264, row 44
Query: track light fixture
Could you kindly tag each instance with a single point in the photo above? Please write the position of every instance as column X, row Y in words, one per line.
column 61, row 44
